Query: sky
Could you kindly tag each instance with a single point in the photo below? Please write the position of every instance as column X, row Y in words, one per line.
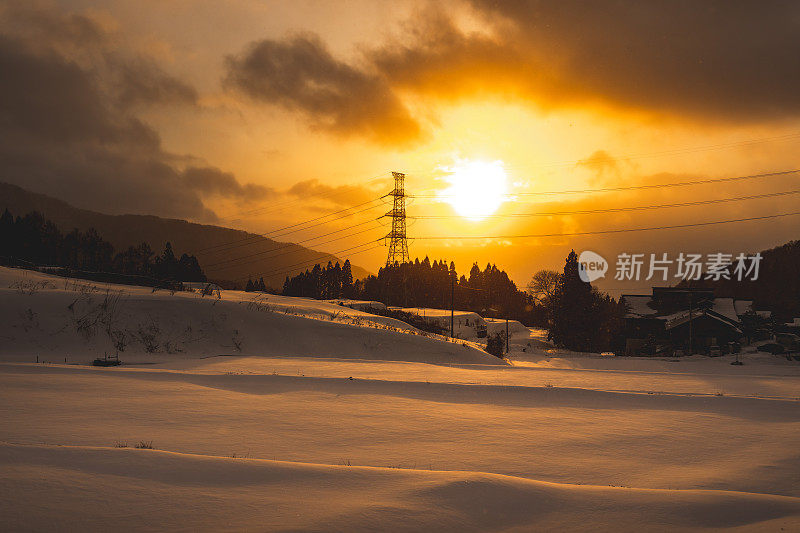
column 262, row 114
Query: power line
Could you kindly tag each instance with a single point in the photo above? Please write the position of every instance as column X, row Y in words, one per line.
column 620, row 209
column 293, row 267
column 328, row 221
column 604, row 232
column 236, row 260
column 282, row 206
column 270, row 233
column 633, row 208
column 273, row 237
column 637, row 187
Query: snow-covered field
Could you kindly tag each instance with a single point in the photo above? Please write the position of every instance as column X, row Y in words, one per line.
column 293, row 414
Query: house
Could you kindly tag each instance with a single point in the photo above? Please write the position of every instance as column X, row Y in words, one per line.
column 688, row 320
column 466, row 324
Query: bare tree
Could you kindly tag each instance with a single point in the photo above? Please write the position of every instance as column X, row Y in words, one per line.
column 543, row 285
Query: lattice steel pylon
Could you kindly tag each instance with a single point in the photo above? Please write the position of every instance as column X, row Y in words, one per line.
column 398, row 245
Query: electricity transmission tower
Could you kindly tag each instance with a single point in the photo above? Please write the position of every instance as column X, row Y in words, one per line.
column 398, row 245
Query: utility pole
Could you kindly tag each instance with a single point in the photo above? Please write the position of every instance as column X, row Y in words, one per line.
column 398, row 244
column 452, row 304
column 506, row 331
column 691, row 346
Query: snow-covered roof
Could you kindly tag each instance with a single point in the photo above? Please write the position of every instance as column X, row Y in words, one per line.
column 499, row 324
column 742, row 306
column 682, row 317
column 726, row 308
column 638, row 305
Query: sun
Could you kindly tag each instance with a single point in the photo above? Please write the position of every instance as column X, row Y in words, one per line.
column 477, row 188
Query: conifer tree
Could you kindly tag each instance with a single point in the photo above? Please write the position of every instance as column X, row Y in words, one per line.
column 347, row 279
column 572, row 311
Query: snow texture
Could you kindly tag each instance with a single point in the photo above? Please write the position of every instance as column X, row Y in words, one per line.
column 331, row 422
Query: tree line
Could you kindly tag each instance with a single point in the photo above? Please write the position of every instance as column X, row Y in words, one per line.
column 421, row 284
column 577, row 316
column 325, row 283
column 34, row 239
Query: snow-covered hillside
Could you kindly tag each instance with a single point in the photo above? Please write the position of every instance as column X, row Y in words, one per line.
column 351, row 422
column 55, row 319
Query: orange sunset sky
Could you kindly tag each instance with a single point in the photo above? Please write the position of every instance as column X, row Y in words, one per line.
column 260, row 114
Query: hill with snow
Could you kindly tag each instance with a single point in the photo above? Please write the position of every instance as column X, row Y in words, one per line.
column 56, row 318
column 186, row 237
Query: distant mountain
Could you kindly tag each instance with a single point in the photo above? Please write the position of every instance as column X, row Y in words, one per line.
column 128, row 230
column 777, row 287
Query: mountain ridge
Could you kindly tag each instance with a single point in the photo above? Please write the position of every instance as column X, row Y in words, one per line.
column 189, row 237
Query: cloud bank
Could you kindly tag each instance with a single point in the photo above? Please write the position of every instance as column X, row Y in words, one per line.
column 68, row 104
column 300, row 74
column 715, row 61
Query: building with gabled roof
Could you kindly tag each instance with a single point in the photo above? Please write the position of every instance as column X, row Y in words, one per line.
column 688, row 320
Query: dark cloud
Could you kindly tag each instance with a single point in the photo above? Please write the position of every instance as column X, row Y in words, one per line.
column 715, row 61
column 71, row 29
column 301, row 74
column 44, row 96
column 439, row 60
column 141, row 81
column 128, row 78
column 65, row 135
column 211, row 180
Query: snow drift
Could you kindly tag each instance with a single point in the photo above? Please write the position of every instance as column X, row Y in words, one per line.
column 96, row 488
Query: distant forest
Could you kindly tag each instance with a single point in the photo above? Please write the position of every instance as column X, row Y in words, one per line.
column 777, row 287
column 489, row 292
column 33, row 239
column 577, row 316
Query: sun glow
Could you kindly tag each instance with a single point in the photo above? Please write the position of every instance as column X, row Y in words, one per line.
column 477, row 188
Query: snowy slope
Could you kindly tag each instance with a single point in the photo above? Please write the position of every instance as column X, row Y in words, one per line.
column 437, row 438
column 53, row 318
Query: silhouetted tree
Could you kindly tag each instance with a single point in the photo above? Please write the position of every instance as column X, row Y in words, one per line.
column 571, row 311
column 347, row 280
column 581, row 318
